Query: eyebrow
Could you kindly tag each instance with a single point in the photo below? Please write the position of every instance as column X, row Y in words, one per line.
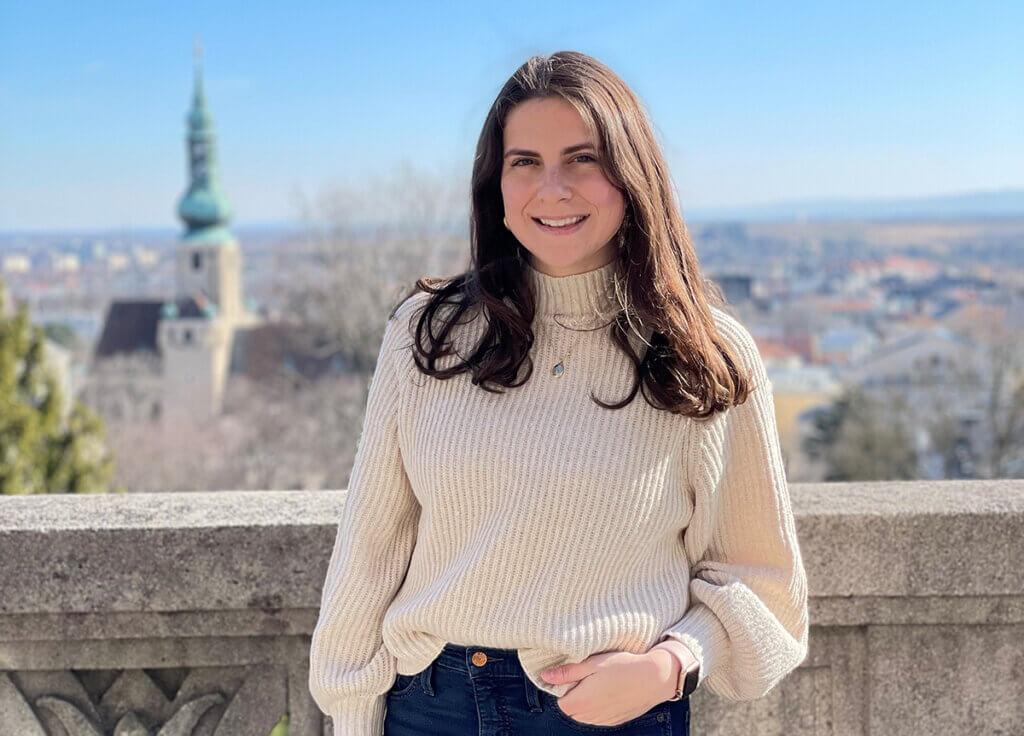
column 565, row 151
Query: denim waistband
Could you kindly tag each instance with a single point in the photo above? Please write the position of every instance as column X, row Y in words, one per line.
column 498, row 662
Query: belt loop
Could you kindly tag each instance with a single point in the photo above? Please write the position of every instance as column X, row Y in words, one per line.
column 532, row 694
column 427, row 679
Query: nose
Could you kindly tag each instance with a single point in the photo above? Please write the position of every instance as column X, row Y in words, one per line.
column 553, row 186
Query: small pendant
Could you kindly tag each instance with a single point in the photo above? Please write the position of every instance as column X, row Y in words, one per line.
column 558, row 369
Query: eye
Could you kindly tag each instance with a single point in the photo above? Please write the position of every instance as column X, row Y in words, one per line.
column 518, row 160
column 586, row 155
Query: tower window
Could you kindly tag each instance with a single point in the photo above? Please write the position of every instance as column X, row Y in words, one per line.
column 197, row 261
column 187, row 335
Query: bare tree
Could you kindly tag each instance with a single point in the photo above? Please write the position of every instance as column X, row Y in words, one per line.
column 365, row 243
column 992, row 445
column 294, row 439
column 169, row 455
column 1005, row 383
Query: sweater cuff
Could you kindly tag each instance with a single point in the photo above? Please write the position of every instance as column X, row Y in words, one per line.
column 359, row 715
column 700, row 631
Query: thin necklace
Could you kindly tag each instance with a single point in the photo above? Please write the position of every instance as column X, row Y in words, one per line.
column 559, row 367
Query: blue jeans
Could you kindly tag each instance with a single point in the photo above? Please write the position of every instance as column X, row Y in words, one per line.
column 462, row 693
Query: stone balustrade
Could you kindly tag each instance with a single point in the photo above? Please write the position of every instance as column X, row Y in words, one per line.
column 190, row 613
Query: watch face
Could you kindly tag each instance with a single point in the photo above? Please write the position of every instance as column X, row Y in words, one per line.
column 691, row 681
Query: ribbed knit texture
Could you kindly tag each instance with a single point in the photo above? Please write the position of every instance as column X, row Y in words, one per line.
column 537, row 520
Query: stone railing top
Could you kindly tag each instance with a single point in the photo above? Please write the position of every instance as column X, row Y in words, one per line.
column 903, row 498
column 268, row 550
column 219, row 509
column 185, row 510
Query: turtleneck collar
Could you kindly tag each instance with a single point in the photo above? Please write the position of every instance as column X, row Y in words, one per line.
column 580, row 295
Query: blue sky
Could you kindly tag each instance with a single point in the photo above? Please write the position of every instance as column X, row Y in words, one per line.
column 753, row 102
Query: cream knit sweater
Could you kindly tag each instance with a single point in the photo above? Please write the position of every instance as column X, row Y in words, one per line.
column 537, row 520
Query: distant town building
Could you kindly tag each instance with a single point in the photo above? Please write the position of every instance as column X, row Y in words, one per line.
column 117, row 261
column 736, row 288
column 844, row 344
column 933, row 361
column 17, row 263
column 66, row 262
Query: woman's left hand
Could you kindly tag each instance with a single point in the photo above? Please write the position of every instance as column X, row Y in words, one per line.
column 612, row 687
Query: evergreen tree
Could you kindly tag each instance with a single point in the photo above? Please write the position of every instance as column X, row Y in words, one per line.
column 43, row 449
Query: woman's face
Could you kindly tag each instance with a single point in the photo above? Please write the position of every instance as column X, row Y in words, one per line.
column 551, row 171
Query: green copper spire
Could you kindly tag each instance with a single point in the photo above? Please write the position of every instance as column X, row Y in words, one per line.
column 204, row 207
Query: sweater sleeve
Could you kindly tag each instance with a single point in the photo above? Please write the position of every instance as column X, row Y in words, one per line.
column 350, row 670
column 747, row 621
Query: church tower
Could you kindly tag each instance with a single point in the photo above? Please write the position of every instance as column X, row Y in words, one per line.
column 208, row 259
column 168, row 360
column 197, row 326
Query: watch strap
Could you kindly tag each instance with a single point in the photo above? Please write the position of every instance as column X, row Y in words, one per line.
column 687, row 682
column 689, row 670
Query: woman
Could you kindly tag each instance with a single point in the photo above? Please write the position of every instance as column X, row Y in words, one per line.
column 535, row 551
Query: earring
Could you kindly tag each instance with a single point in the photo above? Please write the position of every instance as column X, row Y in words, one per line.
column 506, row 223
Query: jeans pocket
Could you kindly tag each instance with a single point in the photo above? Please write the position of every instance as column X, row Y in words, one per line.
column 656, row 718
column 403, row 685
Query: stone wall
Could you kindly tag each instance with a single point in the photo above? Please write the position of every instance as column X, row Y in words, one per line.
column 192, row 612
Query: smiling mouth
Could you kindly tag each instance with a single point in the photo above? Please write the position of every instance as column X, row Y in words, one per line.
column 569, row 222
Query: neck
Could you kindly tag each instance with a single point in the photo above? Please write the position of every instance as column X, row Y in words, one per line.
column 587, row 294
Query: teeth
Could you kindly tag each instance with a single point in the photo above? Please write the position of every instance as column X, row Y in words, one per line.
column 562, row 223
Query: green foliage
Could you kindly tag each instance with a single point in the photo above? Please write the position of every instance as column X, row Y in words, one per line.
column 61, row 334
column 41, row 449
column 861, row 438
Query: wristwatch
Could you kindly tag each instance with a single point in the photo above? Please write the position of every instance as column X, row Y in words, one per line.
column 687, row 682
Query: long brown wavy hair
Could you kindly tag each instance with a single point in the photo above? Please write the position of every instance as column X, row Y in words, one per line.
column 687, row 368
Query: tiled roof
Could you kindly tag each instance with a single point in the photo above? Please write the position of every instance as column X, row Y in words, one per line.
column 130, row 326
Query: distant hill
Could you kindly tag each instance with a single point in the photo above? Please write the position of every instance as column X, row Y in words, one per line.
column 997, row 203
column 1008, row 203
